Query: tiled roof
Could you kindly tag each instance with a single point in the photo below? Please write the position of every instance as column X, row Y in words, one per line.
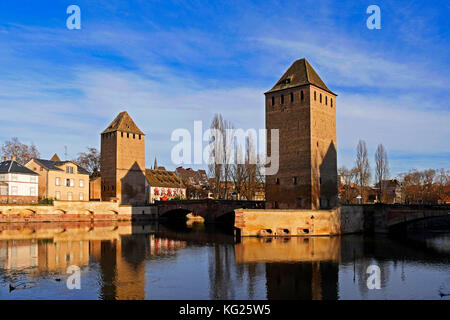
column 163, row 178
column 123, row 123
column 12, row 166
column 53, row 165
column 300, row 73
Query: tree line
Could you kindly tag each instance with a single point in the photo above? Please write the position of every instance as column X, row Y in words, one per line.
column 23, row 153
column 427, row 186
column 234, row 168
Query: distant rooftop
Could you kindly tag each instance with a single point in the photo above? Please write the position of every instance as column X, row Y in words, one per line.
column 12, row 166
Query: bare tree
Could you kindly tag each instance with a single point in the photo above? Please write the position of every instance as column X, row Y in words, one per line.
column 22, row 152
column 228, row 154
column 381, row 170
column 216, row 154
column 443, row 183
column 253, row 170
column 89, row 160
column 238, row 173
column 346, row 182
column 362, row 168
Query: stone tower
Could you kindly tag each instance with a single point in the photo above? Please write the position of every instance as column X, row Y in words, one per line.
column 123, row 161
column 302, row 107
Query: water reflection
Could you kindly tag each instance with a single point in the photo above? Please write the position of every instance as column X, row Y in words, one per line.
column 133, row 261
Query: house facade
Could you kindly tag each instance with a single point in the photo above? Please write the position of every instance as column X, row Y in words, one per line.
column 164, row 185
column 18, row 184
column 60, row 180
column 196, row 182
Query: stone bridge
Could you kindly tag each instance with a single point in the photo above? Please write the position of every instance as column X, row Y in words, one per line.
column 385, row 218
column 209, row 209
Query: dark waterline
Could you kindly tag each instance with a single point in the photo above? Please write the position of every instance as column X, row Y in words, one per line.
column 125, row 261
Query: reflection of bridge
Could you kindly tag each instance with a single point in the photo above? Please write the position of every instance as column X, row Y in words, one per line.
column 211, row 210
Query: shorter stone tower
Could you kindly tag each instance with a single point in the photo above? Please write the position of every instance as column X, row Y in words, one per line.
column 123, row 162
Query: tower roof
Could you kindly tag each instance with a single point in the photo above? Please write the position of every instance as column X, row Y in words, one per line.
column 123, row 123
column 299, row 73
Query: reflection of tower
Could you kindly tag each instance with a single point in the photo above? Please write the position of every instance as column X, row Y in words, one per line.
column 123, row 161
column 302, row 281
column 303, row 109
column 122, row 267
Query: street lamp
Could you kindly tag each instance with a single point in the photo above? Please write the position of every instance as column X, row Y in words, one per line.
column 359, row 198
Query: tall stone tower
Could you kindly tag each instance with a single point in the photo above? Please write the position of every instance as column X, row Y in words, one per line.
column 123, row 161
column 302, row 107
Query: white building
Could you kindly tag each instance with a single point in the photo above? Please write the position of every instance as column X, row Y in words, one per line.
column 163, row 185
column 18, row 184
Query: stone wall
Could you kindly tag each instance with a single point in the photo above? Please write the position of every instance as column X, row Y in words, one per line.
column 272, row 222
column 75, row 211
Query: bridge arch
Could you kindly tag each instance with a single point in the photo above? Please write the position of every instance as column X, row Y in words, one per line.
column 177, row 213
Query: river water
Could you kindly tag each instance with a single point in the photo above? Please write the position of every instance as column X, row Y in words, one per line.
column 137, row 261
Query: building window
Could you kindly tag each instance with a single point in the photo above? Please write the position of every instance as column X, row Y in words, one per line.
column 139, row 137
column 72, row 182
column 121, row 134
column 282, row 99
column 81, row 196
column 58, row 195
column 128, row 135
column 315, row 97
column 67, row 182
column 14, row 177
column 320, row 98
column 58, row 181
column 81, row 183
column 3, row 191
column 331, row 101
column 278, row 181
column 14, row 190
column 295, row 180
column 69, row 170
column 302, row 95
column 32, row 191
column 69, row 196
column 134, row 136
column 2, row 177
column 292, row 97
column 273, row 100
column 326, row 100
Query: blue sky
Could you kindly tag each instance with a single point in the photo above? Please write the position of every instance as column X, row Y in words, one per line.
column 169, row 63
